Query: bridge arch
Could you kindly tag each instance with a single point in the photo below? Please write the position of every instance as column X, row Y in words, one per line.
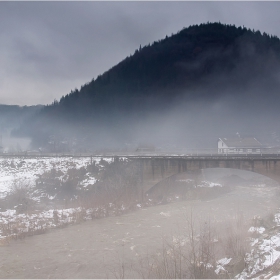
column 157, row 169
column 180, row 182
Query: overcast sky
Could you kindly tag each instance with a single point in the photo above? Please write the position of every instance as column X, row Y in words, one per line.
column 49, row 48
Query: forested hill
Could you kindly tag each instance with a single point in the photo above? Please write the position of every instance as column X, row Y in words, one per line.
column 182, row 61
column 202, row 63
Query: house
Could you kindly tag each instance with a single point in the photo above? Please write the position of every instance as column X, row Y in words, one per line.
column 239, row 145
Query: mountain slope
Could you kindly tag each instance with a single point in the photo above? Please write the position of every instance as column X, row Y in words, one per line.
column 202, row 75
column 181, row 61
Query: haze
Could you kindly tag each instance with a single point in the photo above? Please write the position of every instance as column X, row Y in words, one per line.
column 124, row 178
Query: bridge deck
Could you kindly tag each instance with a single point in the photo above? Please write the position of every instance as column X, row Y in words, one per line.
column 155, row 156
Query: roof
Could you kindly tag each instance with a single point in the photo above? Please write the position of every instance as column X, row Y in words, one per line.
column 241, row 142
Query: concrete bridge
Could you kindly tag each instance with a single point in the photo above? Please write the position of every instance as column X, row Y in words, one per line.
column 155, row 169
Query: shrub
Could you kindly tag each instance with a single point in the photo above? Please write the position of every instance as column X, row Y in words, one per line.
column 20, row 197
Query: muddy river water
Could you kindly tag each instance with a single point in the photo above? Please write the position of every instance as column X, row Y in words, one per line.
column 106, row 248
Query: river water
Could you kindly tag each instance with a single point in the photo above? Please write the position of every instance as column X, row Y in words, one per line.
column 114, row 246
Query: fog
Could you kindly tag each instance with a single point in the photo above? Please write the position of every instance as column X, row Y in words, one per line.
column 220, row 174
column 187, row 124
column 101, row 217
column 243, row 99
column 15, row 144
column 68, row 210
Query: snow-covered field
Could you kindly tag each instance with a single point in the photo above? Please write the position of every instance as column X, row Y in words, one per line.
column 28, row 170
column 24, row 172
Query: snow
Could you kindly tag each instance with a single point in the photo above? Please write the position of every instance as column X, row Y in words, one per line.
column 220, row 265
column 14, row 224
column 276, row 277
column 257, row 229
column 277, row 219
column 88, row 181
column 264, row 254
column 186, row 180
column 205, row 184
column 27, row 170
column 254, row 241
column 269, row 247
column 167, row 214
column 37, row 221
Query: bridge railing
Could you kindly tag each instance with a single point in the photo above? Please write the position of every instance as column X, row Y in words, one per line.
column 154, row 153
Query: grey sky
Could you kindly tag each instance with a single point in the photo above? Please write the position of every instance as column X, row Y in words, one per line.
column 49, row 48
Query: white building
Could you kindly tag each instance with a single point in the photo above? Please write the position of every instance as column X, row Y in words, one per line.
column 239, row 145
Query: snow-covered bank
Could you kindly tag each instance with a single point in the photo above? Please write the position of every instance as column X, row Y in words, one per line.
column 13, row 225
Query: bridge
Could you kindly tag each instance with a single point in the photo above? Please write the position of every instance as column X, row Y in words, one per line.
column 155, row 167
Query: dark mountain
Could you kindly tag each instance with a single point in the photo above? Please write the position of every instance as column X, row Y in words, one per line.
column 204, row 82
